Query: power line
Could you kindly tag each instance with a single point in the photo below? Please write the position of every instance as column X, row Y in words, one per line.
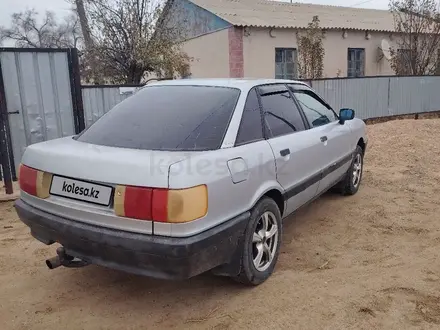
column 361, row 3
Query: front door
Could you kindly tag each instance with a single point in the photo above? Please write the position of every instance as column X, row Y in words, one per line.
column 335, row 148
column 296, row 149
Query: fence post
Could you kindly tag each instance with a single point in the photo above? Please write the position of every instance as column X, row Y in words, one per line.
column 389, row 96
column 4, row 138
column 76, row 91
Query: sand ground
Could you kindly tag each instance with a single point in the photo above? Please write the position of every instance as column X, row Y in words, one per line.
column 365, row 262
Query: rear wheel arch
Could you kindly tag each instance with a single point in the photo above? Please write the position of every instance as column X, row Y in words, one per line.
column 252, row 250
column 277, row 196
column 234, row 267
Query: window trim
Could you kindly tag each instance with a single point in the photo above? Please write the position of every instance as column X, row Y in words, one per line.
column 307, row 88
column 266, row 130
column 309, row 91
column 307, row 125
column 242, row 116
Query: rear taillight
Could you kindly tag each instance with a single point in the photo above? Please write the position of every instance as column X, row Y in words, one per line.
column 34, row 182
column 162, row 205
column 133, row 202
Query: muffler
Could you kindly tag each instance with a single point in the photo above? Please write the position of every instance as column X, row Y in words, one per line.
column 54, row 262
column 63, row 259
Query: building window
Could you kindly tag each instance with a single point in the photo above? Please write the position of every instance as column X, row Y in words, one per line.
column 285, row 63
column 356, row 62
column 403, row 62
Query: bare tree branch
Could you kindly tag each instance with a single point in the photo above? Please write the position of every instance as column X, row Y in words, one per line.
column 417, row 25
column 26, row 31
column 311, row 51
column 128, row 42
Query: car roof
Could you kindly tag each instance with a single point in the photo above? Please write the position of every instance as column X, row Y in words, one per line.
column 241, row 83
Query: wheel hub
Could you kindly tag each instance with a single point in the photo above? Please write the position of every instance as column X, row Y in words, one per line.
column 265, row 241
column 357, row 170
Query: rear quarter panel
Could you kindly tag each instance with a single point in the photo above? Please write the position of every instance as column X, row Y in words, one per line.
column 226, row 199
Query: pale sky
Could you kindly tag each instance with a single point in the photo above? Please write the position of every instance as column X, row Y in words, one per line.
column 61, row 7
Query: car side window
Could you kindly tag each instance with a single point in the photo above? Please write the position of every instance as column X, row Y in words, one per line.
column 251, row 128
column 316, row 112
column 281, row 114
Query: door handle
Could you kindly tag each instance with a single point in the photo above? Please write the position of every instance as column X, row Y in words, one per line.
column 285, row 152
column 324, row 138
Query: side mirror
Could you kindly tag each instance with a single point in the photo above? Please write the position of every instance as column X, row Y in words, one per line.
column 345, row 114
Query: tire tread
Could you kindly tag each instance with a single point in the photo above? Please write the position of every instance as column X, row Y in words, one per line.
column 347, row 188
column 248, row 275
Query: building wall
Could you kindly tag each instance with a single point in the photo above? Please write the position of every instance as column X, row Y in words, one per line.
column 259, row 51
column 336, row 48
column 210, row 55
column 192, row 20
column 236, row 58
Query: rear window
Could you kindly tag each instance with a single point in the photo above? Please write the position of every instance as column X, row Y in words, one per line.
column 187, row 118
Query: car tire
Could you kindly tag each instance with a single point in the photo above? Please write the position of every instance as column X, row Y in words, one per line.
column 262, row 240
column 350, row 185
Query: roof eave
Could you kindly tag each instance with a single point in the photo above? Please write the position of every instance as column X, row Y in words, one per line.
column 303, row 28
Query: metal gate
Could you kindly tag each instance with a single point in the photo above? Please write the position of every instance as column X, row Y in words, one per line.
column 41, row 99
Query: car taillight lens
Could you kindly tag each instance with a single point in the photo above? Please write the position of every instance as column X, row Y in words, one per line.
column 162, row 205
column 34, row 182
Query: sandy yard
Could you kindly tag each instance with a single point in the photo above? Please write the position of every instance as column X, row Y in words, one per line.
column 371, row 261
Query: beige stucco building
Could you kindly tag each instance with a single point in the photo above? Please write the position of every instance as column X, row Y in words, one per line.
column 257, row 38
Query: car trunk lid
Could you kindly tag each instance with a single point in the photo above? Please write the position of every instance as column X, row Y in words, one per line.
column 78, row 160
column 87, row 168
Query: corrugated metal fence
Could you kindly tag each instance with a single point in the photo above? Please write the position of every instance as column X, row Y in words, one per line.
column 99, row 100
column 381, row 96
column 370, row 97
column 38, row 95
column 40, row 100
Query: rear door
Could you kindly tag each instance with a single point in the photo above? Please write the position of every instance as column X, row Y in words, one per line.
column 296, row 149
column 335, row 150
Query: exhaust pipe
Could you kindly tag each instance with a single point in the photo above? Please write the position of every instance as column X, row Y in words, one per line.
column 63, row 259
column 54, row 262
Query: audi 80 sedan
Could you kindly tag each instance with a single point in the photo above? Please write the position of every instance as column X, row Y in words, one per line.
column 189, row 176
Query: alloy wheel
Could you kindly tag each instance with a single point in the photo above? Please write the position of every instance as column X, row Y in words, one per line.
column 357, row 170
column 265, row 241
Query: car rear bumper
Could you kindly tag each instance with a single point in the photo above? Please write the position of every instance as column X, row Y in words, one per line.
column 149, row 255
